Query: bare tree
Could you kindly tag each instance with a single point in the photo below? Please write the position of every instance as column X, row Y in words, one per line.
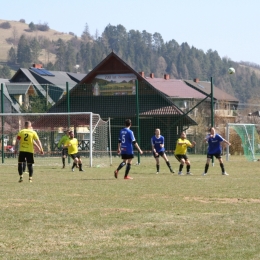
column 161, row 67
column 86, row 35
column 96, row 34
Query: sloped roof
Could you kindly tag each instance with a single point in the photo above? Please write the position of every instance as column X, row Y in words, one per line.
column 15, row 105
column 57, row 82
column 256, row 113
column 3, row 80
column 31, row 79
column 17, row 88
column 205, row 87
column 76, row 76
column 174, row 88
column 27, row 73
column 59, row 79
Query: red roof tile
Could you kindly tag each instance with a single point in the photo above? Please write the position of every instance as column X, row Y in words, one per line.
column 174, row 88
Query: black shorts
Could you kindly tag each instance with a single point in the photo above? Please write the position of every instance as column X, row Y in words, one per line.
column 181, row 156
column 65, row 152
column 26, row 157
column 74, row 155
column 217, row 155
column 127, row 156
column 158, row 154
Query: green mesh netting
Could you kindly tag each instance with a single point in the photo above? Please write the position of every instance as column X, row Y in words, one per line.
column 249, row 140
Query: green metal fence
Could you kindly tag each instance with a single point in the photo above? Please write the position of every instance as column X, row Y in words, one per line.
column 147, row 107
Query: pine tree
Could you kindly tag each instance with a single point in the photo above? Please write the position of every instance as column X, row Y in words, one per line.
column 5, row 72
column 23, row 51
column 35, row 49
column 12, row 56
column 60, row 55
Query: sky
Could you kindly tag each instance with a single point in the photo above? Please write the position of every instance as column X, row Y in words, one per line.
column 230, row 27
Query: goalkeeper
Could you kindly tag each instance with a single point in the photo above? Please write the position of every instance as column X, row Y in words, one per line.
column 61, row 143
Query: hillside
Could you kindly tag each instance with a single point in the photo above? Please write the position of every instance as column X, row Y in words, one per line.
column 19, row 28
column 142, row 51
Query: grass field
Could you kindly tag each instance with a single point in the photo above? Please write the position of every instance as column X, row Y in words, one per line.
column 92, row 215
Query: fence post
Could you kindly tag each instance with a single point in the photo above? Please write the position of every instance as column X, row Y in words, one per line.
column 137, row 117
column 212, row 109
column 2, row 111
column 68, row 102
column 68, row 109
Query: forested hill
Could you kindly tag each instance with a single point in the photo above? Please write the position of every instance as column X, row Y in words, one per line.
column 143, row 51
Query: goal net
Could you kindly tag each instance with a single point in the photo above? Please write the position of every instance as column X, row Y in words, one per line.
column 91, row 131
column 244, row 140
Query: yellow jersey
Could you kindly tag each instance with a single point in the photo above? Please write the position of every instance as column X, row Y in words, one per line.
column 73, row 148
column 182, row 148
column 26, row 138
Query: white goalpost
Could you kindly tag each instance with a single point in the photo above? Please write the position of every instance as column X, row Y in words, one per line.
column 92, row 132
column 249, row 139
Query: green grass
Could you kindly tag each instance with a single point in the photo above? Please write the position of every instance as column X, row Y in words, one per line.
column 92, row 215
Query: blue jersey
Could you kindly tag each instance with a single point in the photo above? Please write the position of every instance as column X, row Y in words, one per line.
column 215, row 144
column 156, row 142
column 126, row 137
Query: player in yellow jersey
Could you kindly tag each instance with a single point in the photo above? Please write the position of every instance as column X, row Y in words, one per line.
column 61, row 143
column 180, row 152
column 26, row 139
column 72, row 144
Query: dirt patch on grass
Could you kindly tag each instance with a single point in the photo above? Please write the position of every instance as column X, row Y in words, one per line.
column 222, row 200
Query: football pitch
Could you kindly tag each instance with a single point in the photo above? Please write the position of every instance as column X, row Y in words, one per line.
column 92, row 215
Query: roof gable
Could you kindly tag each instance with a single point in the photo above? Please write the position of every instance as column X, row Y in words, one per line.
column 112, row 64
column 17, row 88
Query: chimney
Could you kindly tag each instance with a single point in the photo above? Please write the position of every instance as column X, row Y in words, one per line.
column 151, row 75
column 166, row 76
column 37, row 66
column 141, row 73
column 196, row 80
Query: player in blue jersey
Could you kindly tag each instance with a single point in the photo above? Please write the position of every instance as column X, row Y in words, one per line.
column 214, row 149
column 158, row 149
column 126, row 143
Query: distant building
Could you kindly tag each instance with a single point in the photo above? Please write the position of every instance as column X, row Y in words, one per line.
column 110, row 90
column 39, row 81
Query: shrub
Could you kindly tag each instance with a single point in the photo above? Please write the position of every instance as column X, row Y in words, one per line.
column 43, row 27
column 22, row 21
column 5, row 25
column 32, row 26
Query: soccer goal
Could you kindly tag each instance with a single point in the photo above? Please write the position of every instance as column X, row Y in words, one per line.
column 92, row 132
column 245, row 136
